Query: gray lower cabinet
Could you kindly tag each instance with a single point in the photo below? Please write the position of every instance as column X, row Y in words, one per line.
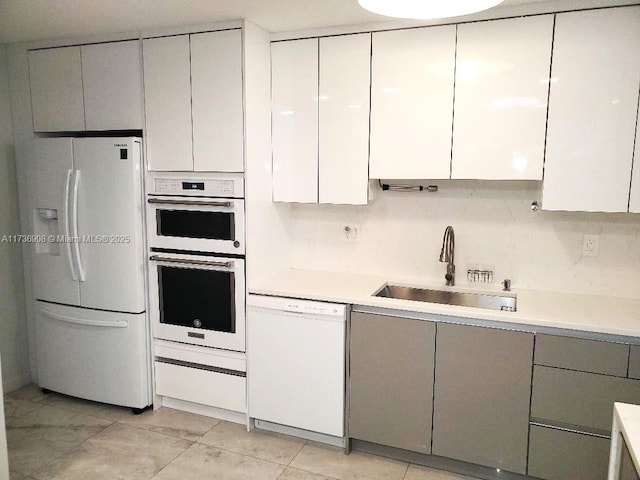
column 627, row 468
column 575, row 384
column 482, row 394
column 391, row 381
column 634, row 362
column 564, row 455
column 579, row 399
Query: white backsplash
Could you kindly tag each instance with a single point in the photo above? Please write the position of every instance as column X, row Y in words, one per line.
column 400, row 236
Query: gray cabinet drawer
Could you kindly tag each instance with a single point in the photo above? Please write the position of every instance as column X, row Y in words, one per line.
column 579, row 398
column 561, row 455
column 594, row 356
column 634, row 361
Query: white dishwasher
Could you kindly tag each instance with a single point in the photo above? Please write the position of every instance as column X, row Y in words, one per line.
column 296, row 363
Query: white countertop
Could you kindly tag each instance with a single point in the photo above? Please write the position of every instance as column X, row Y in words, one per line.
column 588, row 313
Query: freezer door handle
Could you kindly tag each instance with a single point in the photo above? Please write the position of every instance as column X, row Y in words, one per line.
column 66, row 226
column 74, row 224
column 84, row 321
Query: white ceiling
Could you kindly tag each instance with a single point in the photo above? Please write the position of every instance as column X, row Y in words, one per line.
column 26, row 20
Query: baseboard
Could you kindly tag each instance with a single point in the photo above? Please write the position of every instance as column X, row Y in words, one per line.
column 199, row 409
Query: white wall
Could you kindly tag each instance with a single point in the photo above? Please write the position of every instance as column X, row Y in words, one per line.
column 13, row 328
column 401, row 236
column 268, row 242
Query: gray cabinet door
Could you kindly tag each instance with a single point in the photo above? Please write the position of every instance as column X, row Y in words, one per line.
column 391, row 381
column 481, row 398
column 627, row 467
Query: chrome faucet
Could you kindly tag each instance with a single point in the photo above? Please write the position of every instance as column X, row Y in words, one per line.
column 446, row 255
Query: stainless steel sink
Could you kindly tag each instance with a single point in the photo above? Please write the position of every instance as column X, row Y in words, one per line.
column 464, row 299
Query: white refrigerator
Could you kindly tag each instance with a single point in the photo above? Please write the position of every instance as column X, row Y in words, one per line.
column 85, row 233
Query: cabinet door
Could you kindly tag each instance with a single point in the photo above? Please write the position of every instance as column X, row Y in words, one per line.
column 412, row 103
column 167, row 96
column 628, row 469
column 500, row 107
column 112, row 77
column 56, row 89
column 481, row 398
column 344, row 119
column 216, row 90
column 634, row 197
column 593, row 105
column 391, row 381
column 294, row 107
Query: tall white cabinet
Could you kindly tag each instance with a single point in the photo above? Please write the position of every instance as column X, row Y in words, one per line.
column 320, row 119
column 501, row 89
column 193, row 102
column 168, row 116
column 593, row 107
column 86, row 88
column 412, row 84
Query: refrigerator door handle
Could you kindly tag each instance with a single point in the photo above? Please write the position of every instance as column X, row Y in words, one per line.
column 84, row 321
column 66, row 226
column 74, row 225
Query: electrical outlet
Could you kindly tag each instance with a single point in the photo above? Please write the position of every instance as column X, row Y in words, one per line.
column 590, row 245
column 351, row 233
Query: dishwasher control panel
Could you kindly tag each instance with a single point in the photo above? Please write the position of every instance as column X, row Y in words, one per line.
column 312, row 308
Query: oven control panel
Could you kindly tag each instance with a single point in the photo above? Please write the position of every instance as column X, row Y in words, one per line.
column 196, row 186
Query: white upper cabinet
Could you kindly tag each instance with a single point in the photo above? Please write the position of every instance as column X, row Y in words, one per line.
column 216, row 94
column 344, row 119
column 112, row 77
column 56, row 89
column 320, row 119
column 634, row 196
column 167, row 94
column 412, row 103
column 91, row 87
column 593, row 106
column 501, row 89
column 193, row 102
column 294, row 110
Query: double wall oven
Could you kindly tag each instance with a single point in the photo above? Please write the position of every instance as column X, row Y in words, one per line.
column 196, row 262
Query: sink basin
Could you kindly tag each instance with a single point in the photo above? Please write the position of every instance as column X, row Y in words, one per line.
column 464, row 299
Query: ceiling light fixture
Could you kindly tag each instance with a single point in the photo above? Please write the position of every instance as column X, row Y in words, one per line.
column 427, row 9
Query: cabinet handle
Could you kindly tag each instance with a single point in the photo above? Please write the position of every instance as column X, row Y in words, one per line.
column 189, row 202
column 157, row 258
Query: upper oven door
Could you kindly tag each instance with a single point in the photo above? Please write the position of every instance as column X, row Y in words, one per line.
column 197, row 224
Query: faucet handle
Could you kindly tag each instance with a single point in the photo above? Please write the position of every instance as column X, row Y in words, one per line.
column 506, row 284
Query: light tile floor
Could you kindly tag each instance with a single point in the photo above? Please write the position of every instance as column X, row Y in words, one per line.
column 57, row 437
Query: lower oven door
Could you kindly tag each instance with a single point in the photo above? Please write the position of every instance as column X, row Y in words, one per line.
column 198, row 299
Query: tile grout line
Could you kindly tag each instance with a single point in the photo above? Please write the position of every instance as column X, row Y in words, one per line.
column 404, row 477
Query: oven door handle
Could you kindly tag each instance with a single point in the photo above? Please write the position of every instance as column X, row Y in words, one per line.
column 197, row 203
column 157, row 258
